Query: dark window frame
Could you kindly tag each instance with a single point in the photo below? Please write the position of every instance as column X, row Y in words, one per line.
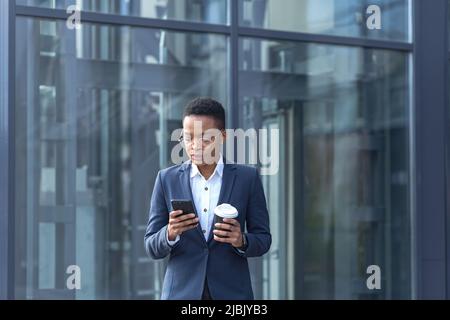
column 429, row 106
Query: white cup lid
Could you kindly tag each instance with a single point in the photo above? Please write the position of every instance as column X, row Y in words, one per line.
column 226, row 210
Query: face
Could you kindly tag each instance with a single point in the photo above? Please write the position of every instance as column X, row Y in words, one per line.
column 202, row 139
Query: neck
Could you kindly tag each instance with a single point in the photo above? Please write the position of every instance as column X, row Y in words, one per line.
column 207, row 169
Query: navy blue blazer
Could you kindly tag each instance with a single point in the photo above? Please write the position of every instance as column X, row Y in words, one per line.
column 193, row 259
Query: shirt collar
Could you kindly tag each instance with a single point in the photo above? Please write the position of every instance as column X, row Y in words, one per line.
column 218, row 169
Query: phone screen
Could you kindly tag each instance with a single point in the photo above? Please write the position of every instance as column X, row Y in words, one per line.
column 184, row 205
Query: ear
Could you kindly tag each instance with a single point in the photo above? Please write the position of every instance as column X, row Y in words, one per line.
column 224, row 135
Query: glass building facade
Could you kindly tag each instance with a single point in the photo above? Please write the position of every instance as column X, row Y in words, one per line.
column 87, row 117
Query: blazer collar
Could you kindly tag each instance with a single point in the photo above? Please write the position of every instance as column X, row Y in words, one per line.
column 186, row 166
column 217, row 170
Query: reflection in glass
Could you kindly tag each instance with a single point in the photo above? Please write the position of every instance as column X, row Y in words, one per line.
column 209, row 11
column 340, row 201
column 331, row 17
column 94, row 113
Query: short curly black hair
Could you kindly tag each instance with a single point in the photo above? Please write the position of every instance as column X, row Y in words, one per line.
column 204, row 106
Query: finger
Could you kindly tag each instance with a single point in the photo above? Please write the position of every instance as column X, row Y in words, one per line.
column 223, row 240
column 175, row 213
column 185, row 223
column 223, row 233
column 233, row 222
column 184, row 217
column 184, row 229
column 180, row 225
column 224, row 226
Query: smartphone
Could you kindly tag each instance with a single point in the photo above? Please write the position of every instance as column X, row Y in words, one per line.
column 184, row 205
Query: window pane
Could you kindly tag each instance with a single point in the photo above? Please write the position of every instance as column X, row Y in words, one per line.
column 339, row 201
column 331, row 17
column 210, row 11
column 95, row 110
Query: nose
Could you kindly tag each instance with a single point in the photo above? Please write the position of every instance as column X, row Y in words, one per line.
column 196, row 144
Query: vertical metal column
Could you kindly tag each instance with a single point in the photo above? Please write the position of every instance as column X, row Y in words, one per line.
column 431, row 118
column 7, row 48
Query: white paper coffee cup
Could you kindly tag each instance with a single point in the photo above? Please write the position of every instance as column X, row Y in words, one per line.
column 224, row 211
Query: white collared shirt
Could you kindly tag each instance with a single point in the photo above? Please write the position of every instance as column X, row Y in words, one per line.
column 206, row 196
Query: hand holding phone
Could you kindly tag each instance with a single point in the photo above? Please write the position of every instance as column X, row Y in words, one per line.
column 184, row 205
column 182, row 218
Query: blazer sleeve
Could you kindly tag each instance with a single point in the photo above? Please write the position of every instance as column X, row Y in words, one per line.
column 155, row 239
column 258, row 228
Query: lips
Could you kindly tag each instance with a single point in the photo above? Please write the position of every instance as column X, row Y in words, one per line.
column 196, row 157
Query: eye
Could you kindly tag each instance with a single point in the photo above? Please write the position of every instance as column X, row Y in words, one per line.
column 208, row 139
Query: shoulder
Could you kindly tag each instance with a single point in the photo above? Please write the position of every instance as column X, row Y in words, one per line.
column 245, row 171
column 170, row 171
